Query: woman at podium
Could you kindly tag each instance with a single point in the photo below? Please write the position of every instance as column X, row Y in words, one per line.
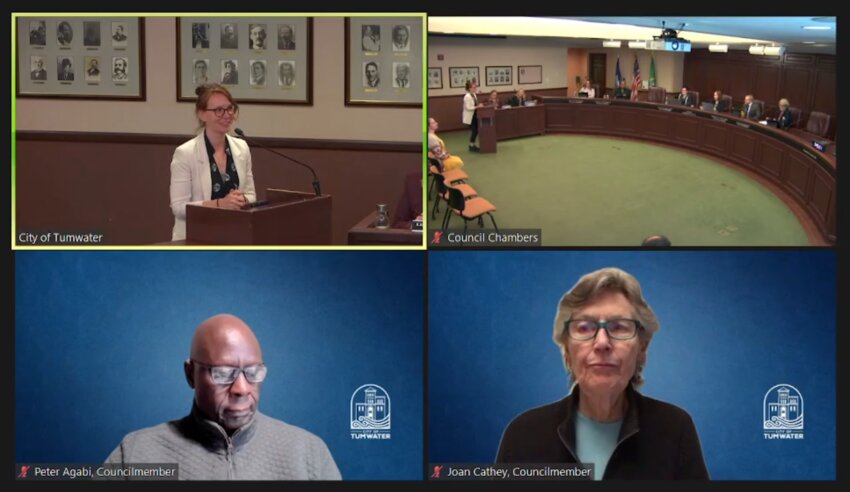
column 213, row 169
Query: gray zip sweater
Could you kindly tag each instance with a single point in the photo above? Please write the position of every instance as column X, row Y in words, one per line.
column 265, row 449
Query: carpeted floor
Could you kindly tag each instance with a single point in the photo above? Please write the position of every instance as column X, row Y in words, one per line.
column 595, row 191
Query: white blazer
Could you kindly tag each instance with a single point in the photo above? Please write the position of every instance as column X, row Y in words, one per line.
column 191, row 179
column 468, row 108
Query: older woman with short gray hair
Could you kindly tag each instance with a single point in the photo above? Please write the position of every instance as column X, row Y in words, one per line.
column 603, row 326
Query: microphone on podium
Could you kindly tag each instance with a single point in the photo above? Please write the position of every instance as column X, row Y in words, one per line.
column 316, row 186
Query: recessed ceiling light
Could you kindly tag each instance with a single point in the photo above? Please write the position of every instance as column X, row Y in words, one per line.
column 817, row 28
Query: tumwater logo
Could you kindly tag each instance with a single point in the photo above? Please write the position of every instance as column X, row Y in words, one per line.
column 370, row 413
column 783, row 413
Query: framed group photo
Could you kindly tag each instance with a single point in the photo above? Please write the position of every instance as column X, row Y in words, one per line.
column 80, row 57
column 458, row 76
column 383, row 61
column 435, row 78
column 266, row 60
column 499, row 76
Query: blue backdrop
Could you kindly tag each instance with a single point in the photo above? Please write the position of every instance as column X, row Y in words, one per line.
column 101, row 337
column 733, row 324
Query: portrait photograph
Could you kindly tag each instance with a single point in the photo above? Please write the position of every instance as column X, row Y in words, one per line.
column 266, row 55
column 65, row 68
column 229, row 72
column 382, row 76
column 38, row 33
column 401, row 70
column 119, row 34
column 201, row 35
column 37, row 70
column 120, row 69
column 499, row 75
column 140, row 321
column 371, row 74
column 435, row 78
column 258, row 72
column 401, row 38
column 371, row 41
column 458, row 76
column 286, row 37
column 257, row 37
column 286, row 73
column 81, row 63
column 64, row 34
column 200, row 71
column 91, row 34
column 229, row 36
column 92, row 68
column 643, row 337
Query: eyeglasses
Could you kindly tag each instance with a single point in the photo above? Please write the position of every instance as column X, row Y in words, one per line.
column 227, row 374
column 219, row 112
column 583, row 330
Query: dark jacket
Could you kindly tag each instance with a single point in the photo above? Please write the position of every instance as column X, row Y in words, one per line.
column 721, row 106
column 687, row 100
column 751, row 111
column 622, row 93
column 515, row 101
column 657, row 440
column 785, row 119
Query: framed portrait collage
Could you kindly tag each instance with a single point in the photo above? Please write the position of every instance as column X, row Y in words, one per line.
column 81, row 57
column 383, row 61
column 260, row 59
column 458, row 76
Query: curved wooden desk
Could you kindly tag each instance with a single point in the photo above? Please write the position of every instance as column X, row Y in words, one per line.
column 785, row 159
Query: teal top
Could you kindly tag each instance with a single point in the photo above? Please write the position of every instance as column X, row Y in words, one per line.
column 595, row 442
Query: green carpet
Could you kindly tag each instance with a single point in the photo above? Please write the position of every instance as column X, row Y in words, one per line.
column 595, row 191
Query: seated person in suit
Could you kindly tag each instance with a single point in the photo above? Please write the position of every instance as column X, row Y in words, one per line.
column 750, row 110
column 686, row 99
column 586, row 90
column 519, row 99
column 720, row 105
column 213, row 169
column 494, row 99
column 437, row 149
column 621, row 91
column 785, row 120
column 409, row 206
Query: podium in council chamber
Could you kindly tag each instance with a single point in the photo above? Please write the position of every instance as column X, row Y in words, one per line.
column 289, row 218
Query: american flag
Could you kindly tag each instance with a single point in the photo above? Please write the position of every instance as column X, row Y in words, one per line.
column 636, row 81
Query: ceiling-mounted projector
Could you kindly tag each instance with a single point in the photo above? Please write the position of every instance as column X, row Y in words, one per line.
column 680, row 45
column 669, row 40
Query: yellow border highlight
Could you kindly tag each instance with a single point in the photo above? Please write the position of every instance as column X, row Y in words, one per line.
column 422, row 247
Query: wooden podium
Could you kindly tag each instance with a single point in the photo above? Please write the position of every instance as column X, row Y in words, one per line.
column 487, row 128
column 289, row 218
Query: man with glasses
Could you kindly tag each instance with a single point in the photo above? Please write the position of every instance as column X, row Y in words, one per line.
column 603, row 326
column 225, row 437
